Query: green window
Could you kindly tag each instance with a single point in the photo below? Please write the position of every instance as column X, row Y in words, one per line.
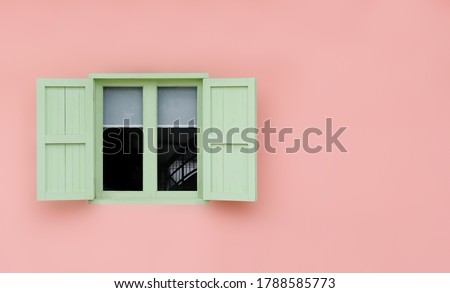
column 146, row 138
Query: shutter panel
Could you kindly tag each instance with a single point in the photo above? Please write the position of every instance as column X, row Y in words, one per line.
column 229, row 173
column 65, row 151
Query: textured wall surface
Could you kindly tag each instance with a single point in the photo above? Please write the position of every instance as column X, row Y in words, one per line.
column 382, row 68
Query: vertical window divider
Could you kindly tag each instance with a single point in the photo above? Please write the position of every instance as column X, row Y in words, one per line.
column 150, row 143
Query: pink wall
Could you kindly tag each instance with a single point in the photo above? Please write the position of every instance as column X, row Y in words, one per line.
column 380, row 67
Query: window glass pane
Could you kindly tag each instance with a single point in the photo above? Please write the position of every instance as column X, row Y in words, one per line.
column 122, row 144
column 121, row 104
column 177, row 103
column 177, row 158
column 177, row 142
column 122, row 158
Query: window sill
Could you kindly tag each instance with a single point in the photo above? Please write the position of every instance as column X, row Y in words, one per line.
column 153, row 200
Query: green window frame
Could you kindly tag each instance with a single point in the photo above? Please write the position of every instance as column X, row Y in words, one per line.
column 70, row 139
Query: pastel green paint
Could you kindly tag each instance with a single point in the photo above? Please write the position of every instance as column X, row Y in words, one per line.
column 229, row 174
column 70, row 138
column 149, row 193
column 65, row 139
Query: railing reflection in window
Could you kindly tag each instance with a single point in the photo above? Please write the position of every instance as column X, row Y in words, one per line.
column 181, row 170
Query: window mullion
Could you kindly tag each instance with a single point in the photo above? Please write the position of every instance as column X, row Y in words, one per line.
column 150, row 143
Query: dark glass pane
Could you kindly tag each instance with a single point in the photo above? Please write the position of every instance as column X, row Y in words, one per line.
column 122, row 159
column 177, row 158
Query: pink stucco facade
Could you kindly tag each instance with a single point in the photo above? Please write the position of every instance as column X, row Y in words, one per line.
column 382, row 68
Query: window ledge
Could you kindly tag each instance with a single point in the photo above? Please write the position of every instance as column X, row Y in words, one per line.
column 153, row 200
